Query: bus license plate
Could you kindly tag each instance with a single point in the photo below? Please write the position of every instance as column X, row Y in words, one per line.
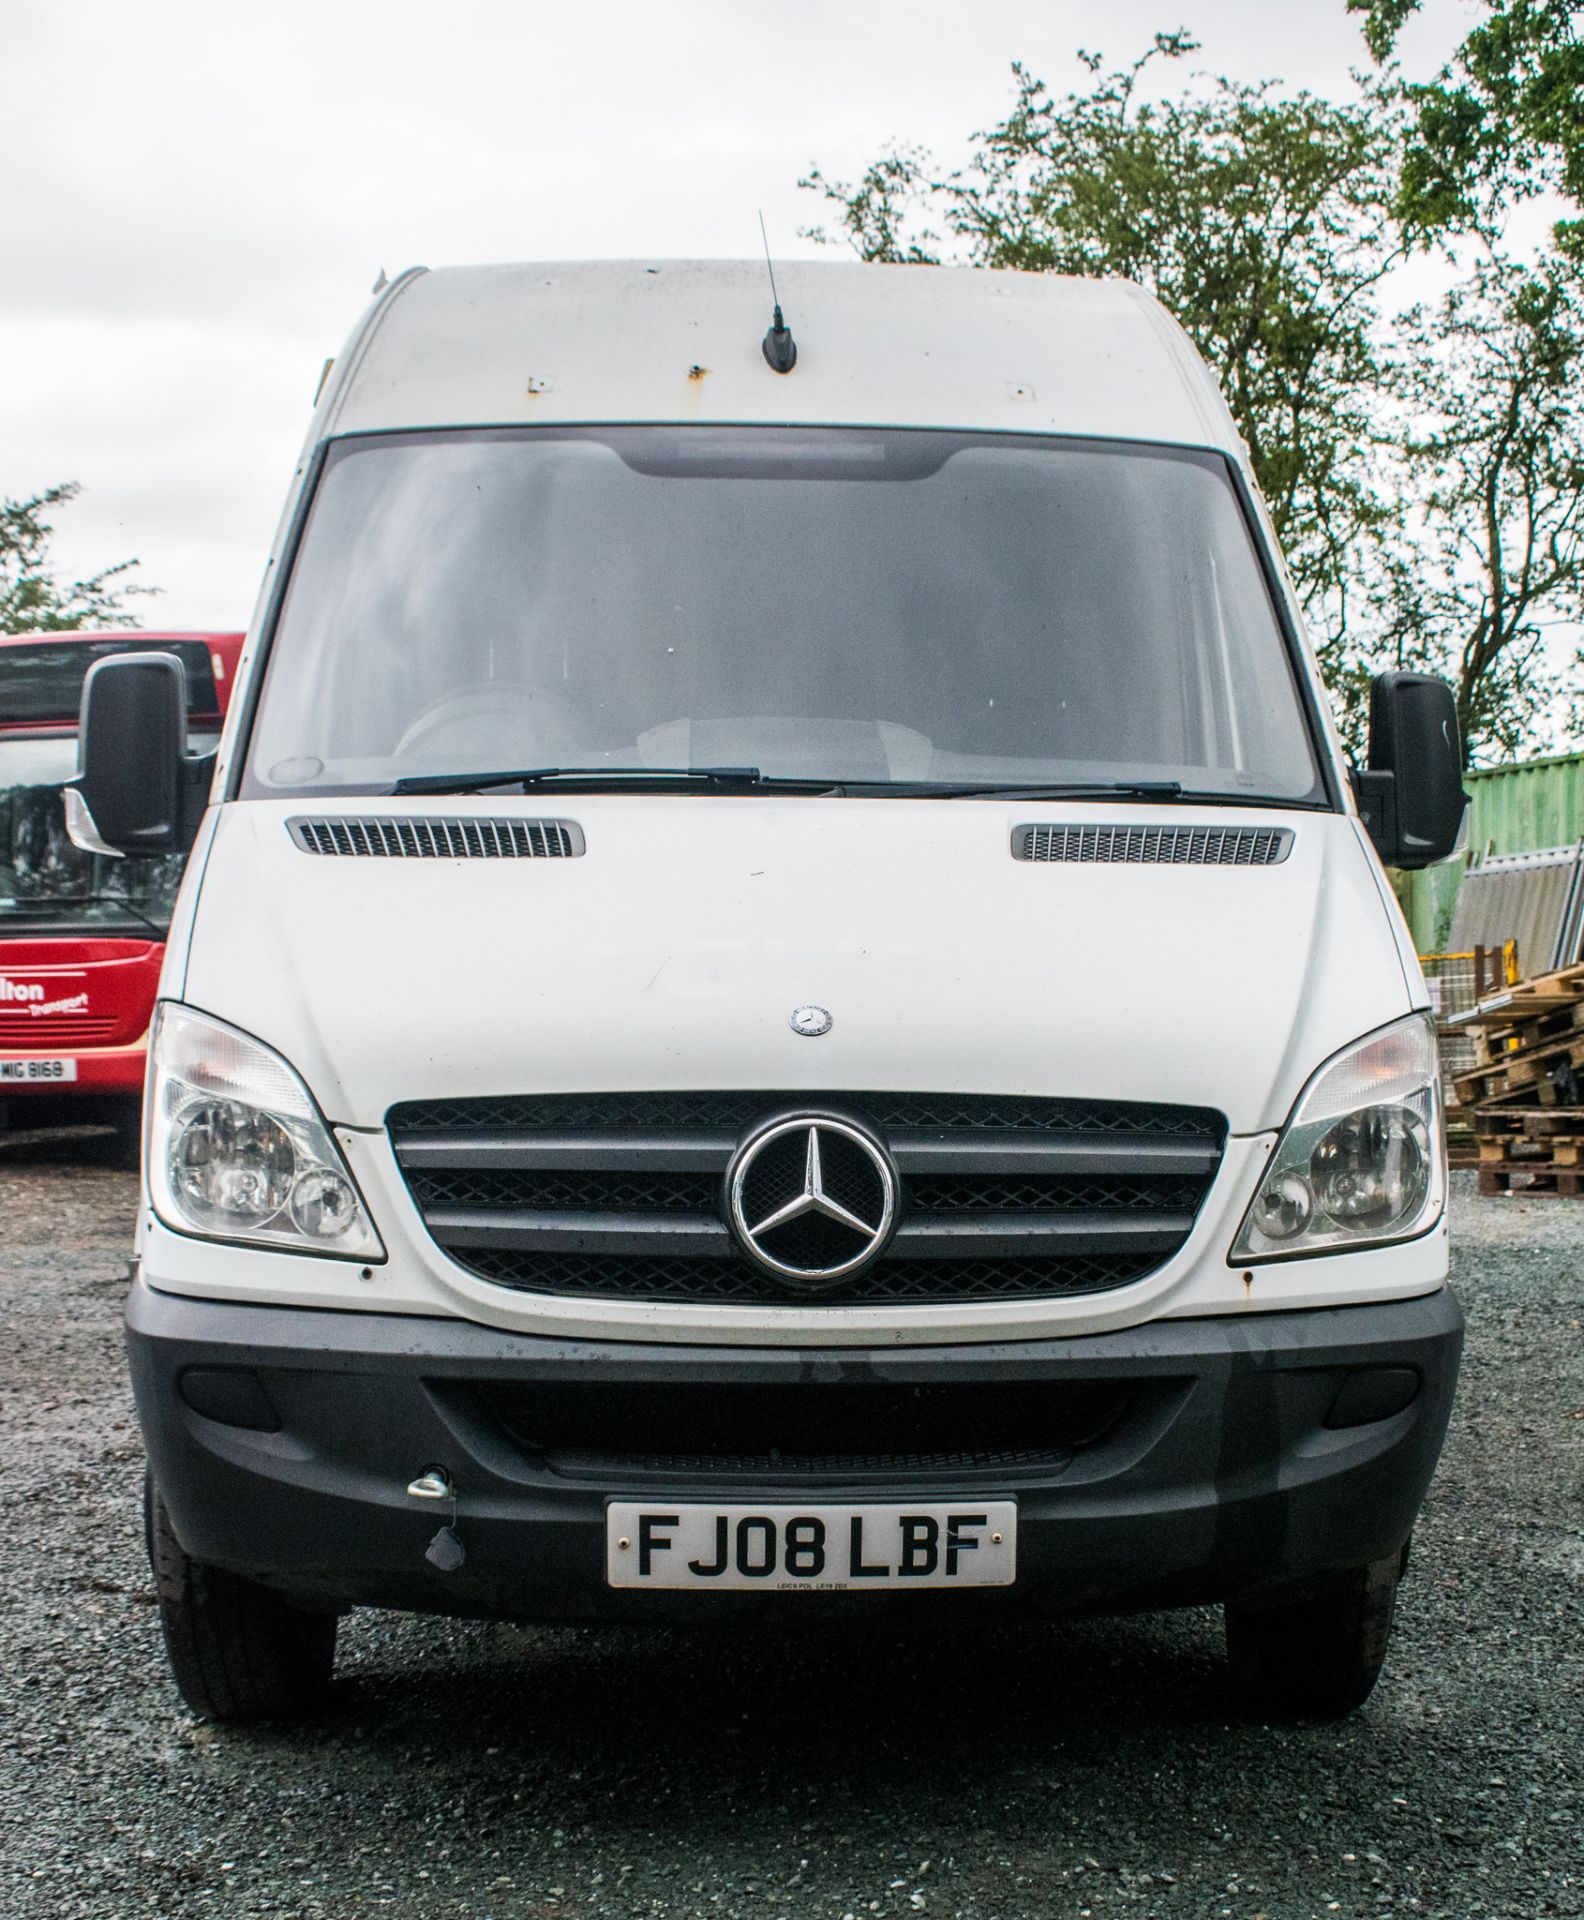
column 845, row 1549
column 53, row 1071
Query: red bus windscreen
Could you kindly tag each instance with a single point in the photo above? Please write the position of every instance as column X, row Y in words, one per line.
column 42, row 683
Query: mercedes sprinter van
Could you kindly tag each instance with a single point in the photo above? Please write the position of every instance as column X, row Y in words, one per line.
column 783, row 999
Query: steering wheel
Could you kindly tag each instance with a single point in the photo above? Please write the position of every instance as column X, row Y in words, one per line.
column 503, row 722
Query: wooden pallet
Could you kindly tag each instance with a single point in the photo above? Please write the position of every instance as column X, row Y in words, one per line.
column 1512, row 1075
column 1517, row 1003
column 1564, row 1183
column 1550, row 1124
column 1529, row 999
column 1546, row 993
column 1461, row 1141
column 1505, row 1040
column 1520, row 1106
column 1533, row 1156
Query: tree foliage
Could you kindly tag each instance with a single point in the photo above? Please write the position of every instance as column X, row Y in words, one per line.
column 1504, row 118
column 1424, row 471
column 32, row 600
column 1487, row 551
column 1261, row 220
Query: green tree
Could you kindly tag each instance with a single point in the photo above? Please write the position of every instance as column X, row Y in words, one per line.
column 31, row 598
column 1487, row 552
column 1261, row 220
column 1423, row 475
column 1503, row 119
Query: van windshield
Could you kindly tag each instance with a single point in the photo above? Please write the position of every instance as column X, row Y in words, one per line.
column 872, row 608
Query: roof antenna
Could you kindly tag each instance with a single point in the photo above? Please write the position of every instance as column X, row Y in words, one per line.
column 780, row 349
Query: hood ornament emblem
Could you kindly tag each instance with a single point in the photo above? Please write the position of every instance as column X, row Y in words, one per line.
column 782, row 1193
column 811, row 1022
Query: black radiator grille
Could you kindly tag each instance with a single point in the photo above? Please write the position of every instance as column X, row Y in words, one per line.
column 593, row 1191
column 621, row 1196
column 737, row 1109
column 738, row 1284
column 788, row 1430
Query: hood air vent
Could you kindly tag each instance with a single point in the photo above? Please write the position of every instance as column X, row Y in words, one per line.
column 1155, row 846
column 424, row 837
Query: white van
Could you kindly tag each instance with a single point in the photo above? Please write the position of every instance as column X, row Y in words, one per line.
column 782, row 998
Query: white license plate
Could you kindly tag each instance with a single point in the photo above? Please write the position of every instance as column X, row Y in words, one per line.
column 874, row 1549
column 54, row 1071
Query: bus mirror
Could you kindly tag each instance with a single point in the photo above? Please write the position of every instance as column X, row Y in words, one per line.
column 1412, row 797
column 132, row 749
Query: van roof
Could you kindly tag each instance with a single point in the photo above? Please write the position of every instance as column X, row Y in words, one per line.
column 679, row 342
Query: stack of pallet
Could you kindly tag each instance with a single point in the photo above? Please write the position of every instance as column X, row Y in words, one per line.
column 1456, row 982
column 1524, row 1096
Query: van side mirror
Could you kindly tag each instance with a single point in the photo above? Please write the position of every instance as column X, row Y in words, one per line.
column 131, row 757
column 1411, row 798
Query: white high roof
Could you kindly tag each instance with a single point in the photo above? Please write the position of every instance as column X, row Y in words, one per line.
column 679, row 341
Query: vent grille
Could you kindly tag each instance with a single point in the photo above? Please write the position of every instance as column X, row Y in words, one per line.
column 425, row 837
column 1154, row 846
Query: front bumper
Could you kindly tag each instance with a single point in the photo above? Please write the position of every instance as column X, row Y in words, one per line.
column 1216, row 1475
column 1228, row 1456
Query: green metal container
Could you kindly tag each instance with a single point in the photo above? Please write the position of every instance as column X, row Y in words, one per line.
column 1520, row 808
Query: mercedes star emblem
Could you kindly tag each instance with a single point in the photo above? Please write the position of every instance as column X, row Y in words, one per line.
column 812, row 1198
column 811, row 1022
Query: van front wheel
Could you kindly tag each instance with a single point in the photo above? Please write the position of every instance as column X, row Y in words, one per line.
column 1316, row 1658
column 238, row 1650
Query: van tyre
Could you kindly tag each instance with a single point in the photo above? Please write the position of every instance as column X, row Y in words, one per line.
column 1316, row 1658
column 238, row 1650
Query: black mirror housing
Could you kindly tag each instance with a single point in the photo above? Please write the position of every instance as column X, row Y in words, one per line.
column 1411, row 799
column 132, row 753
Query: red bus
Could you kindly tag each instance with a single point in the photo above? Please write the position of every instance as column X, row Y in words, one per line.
column 81, row 935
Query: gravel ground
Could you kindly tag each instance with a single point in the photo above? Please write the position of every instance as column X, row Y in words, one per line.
column 500, row 1773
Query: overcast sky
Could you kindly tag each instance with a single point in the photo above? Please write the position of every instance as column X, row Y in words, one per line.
column 201, row 192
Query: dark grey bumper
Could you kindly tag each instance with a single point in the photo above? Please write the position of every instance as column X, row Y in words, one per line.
column 1242, row 1455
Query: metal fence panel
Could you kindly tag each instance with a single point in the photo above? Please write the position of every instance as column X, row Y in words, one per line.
column 1523, row 808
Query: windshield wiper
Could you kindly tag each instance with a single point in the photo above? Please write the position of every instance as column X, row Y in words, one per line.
column 593, row 779
column 751, row 780
column 1053, row 790
column 1171, row 792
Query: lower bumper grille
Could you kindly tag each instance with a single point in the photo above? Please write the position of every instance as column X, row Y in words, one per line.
column 822, row 1467
column 789, row 1430
column 622, row 1196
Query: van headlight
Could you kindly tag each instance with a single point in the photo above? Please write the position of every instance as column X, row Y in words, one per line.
column 1362, row 1160
column 236, row 1147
